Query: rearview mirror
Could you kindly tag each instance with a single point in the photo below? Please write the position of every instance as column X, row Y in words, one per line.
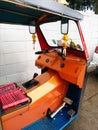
column 64, row 26
column 32, row 27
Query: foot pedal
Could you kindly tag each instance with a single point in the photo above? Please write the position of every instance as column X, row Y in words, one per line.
column 65, row 101
column 31, row 83
column 71, row 113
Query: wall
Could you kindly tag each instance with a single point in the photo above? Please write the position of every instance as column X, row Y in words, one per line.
column 17, row 56
column 90, row 31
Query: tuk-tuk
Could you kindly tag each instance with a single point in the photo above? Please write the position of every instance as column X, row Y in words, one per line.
column 50, row 100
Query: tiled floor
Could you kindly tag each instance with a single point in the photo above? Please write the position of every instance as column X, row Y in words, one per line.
column 88, row 113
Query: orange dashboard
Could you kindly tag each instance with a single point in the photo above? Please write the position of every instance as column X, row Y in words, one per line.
column 72, row 69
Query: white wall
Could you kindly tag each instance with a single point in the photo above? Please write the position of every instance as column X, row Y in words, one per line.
column 17, row 56
column 90, row 31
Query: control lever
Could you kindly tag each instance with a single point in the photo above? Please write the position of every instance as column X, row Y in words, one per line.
column 66, row 101
column 42, row 52
column 52, row 50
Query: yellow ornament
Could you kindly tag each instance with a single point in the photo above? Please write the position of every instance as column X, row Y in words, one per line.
column 34, row 40
column 65, row 37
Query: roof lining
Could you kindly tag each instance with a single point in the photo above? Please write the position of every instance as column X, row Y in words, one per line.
column 28, row 10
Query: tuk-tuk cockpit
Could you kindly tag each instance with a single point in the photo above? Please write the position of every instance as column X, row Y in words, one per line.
column 50, row 100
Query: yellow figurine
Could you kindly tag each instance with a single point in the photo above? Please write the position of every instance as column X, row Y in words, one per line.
column 64, row 43
column 65, row 40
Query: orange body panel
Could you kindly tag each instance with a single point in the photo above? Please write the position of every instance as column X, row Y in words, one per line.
column 72, row 69
column 49, row 93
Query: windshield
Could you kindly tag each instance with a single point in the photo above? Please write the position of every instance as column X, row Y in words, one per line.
column 52, row 33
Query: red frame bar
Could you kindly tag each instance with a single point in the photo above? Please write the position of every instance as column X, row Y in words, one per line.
column 83, row 41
